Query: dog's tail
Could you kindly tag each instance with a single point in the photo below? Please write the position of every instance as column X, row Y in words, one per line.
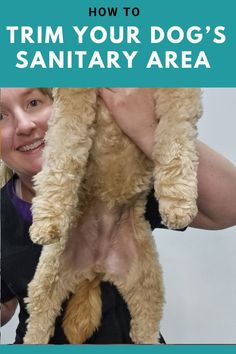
column 83, row 312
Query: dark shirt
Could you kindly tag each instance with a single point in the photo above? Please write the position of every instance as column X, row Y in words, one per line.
column 19, row 260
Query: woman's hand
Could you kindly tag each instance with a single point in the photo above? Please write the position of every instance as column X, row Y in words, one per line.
column 7, row 310
column 133, row 111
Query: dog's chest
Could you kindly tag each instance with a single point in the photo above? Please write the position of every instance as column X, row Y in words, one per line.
column 117, row 169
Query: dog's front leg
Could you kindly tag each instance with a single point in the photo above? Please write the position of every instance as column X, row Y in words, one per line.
column 68, row 143
column 175, row 157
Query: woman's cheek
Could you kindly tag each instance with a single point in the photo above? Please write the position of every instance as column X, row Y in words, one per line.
column 6, row 143
column 44, row 118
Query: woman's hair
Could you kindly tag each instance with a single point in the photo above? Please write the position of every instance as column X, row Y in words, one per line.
column 46, row 92
column 5, row 172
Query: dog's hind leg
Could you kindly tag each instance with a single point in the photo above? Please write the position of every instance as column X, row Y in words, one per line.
column 46, row 293
column 141, row 287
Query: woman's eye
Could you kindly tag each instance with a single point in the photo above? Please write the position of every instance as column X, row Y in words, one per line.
column 2, row 116
column 34, row 103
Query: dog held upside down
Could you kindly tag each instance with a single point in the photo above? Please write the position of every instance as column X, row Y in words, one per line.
column 92, row 176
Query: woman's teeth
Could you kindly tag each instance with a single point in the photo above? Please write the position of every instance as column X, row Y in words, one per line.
column 32, row 146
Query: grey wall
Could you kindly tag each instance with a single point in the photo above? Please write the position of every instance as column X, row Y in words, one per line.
column 199, row 266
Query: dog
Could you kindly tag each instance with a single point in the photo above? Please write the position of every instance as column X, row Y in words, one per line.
column 93, row 175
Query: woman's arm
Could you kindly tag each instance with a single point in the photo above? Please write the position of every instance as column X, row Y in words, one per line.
column 216, row 190
column 133, row 111
column 7, row 310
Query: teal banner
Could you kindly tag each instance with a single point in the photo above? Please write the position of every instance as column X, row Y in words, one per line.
column 117, row 349
column 142, row 43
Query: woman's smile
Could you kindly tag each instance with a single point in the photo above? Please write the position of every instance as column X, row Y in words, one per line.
column 30, row 147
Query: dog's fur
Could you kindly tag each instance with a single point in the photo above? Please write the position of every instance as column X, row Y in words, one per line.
column 91, row 166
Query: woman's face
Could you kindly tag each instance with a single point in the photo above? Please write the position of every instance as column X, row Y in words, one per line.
column 24, row 114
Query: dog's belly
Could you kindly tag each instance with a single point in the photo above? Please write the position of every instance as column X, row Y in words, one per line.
column 117, row 175
column 104, row 242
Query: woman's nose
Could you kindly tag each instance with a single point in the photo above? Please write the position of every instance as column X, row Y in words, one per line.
column 24, row 123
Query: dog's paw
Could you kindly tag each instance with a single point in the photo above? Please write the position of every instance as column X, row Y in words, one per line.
column 177, row 214
column 34, row 337
column 143, row 338
column 44, row 233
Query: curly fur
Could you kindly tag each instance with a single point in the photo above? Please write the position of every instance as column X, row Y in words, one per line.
column 87, row 160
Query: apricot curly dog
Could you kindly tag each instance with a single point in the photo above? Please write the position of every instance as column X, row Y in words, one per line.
column 92, row 176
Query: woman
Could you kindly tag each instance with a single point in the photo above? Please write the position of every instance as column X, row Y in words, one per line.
column 23, row 122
